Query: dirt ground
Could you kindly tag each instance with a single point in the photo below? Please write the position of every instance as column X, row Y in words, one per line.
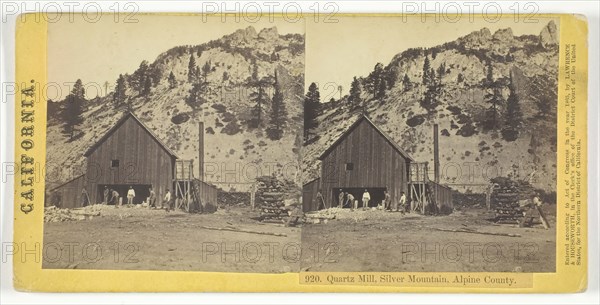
column 143, row 239
column 373, row 240
column 385, row 241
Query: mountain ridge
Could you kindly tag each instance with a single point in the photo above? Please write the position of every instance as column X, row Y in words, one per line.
column 530, row 62
column 224, row 107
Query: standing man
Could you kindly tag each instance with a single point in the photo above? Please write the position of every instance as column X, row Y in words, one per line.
column 85, row 198
column 387, row 203
column 320, row 200
column 537, row 204
column 167, row 201
column 106, row 194
column 533, row 212
column 130, row 195
column 341, row 198
column 402, row 203
column 152, row 199
column 365, row 199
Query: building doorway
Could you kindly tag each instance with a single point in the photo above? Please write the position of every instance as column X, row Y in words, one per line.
column 377, row 196
column 142, row 192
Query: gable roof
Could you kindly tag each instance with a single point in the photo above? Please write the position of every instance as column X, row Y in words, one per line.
column 120, row 122
column 65, row 183
column 311, row 181
column 381, row 132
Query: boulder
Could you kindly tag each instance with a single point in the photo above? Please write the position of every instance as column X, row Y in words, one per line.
column 549, row 35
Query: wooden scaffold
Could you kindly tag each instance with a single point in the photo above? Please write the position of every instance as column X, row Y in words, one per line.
column 426, row 196
column 416, row 184
column 187, row 188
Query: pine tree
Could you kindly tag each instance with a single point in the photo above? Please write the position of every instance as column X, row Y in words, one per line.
column 513, row 116
column 196, row 97
column 155, row 74
column 138, row 78
column 441, row 71
column 390, row 77
column 312, row 103
column 260, row 100
column 72, row 112
column 430, row 100
column 172, row 80
column 382, row 87
column 254, row 75
column 489, row 75
column 278, row 119
column 206, row 69
column 406, row 83
column 432, row 87
column 192, row 69
column 120, row 94
column 147, row 86
column 259, row 97
column 544, row 95
column 355, row 93
column 106, row 85
column 78, row 89
column 372, row 84
column 426, row 72
column 494, row 98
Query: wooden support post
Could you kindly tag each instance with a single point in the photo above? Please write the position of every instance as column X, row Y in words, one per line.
column 201, row 151
column 253, row 195
column 436, row 154
column 423, row 198
column 188, row 182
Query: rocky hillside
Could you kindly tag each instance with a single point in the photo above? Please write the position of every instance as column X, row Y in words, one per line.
column 224, row 106
column 469, row 153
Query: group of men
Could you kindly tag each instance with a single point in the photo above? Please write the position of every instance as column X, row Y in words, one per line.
column 112, row 197
column 347, row 199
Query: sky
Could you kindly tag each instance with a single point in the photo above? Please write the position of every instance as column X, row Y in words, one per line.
column 352, row 47
column 335, row 52
column 99, row 52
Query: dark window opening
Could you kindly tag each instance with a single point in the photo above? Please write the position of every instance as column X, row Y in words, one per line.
column 349, row 166
column 114, row 163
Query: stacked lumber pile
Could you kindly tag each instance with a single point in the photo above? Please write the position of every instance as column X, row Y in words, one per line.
column 270, row 197
column 509, row 199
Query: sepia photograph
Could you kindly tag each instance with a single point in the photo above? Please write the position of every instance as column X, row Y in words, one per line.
column 430, row 146
column 173, row 144
column 322, row 148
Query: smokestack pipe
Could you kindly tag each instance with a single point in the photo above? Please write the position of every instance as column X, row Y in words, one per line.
column 201, row 150
column 436, row 154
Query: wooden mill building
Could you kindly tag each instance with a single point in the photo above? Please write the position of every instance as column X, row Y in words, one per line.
column 365, row 157
column 129, row 154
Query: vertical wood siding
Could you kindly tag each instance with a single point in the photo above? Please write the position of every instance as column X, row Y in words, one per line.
column 442, row 196
column 309, row 195
column 376, row 164
column 208, row 196
column 69, row 194
column 142, row 160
